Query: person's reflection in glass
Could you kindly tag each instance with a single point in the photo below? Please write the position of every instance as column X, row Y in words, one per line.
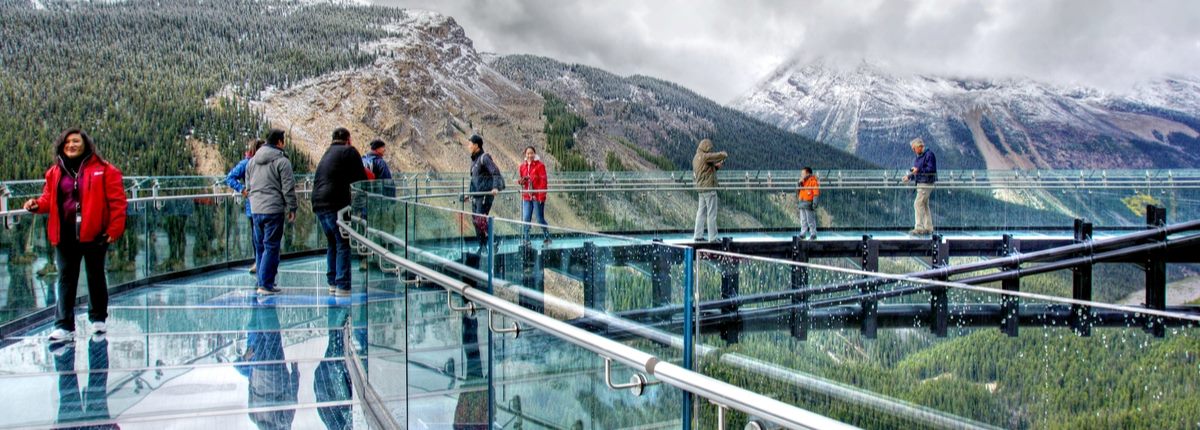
column 271, row 382
column 331, row 383
column 471, row 412
column 92, row 403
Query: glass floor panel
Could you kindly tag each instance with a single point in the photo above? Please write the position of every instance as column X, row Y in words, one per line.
column 197, row 352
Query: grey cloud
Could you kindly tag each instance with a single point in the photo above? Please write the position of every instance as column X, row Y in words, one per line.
column 722, row 48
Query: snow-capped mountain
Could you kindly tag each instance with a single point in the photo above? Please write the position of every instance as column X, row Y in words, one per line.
column 978, row 123
column 429, row 89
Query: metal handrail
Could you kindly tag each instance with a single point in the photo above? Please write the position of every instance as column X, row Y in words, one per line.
column 616, row 323
column 686, row 380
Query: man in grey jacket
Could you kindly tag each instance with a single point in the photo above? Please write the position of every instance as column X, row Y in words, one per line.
column 272, row 195
column 704, row 167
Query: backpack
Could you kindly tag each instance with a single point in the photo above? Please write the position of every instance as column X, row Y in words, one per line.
column 369, row 168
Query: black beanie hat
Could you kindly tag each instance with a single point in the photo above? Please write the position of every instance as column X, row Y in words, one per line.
column 477, row 140
column 376, row 144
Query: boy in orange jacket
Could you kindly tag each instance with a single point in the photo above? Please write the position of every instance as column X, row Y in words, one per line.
column 808, row 190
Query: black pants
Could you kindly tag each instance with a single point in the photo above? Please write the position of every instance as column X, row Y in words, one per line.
column 70, row 254
column 481, row 206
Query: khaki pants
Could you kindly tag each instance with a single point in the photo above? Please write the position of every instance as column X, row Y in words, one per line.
column 924, row 219
column 808, row 219
column 706, row 213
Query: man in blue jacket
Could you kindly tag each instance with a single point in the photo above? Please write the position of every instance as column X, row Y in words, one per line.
column 924, row 173
column 236, row 179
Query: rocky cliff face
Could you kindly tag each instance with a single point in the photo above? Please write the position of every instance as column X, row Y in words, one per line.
column 664, row 119
column 978, row 123
column 429, row 90
column 425, row 94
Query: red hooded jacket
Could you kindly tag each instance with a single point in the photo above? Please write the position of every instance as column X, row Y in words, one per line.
column 533, row 177
column 102, row 200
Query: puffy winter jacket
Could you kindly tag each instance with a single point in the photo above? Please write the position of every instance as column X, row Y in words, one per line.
column 271, row 182
column 533, row 177
column 810, row 188
column 102, row 200
column 339, row 167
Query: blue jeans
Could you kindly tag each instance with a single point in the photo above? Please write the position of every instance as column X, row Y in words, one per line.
column 528, row 209
column 337, row 253
column 268, row 236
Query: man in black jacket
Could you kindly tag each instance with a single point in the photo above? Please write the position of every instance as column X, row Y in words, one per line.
column 339, row 167
column 486, row 182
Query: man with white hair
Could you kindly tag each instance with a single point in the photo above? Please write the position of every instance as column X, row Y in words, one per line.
column 924, row 173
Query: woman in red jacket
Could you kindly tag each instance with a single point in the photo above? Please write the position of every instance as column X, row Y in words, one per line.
column 86, row 201
column 532, row 179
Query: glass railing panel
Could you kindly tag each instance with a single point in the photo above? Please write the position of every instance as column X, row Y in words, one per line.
column 878, row 355
column 602, row 284
column 29, row 278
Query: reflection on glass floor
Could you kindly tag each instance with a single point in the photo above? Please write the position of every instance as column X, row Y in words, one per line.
column 203, row 351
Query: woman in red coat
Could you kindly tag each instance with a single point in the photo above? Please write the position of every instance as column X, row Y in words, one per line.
column 533, row 179
column 86, row 202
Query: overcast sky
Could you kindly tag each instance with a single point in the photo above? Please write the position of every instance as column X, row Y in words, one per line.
column 723, row 48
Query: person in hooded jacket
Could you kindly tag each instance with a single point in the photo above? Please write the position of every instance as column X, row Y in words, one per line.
column 272, row 193
column 704, row 166
column 85, row 198
column 533, row 181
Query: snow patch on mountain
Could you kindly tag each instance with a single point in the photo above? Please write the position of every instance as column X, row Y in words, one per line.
column 977, row 123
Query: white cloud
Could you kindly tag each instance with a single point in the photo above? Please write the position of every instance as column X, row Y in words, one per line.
column 722, row 48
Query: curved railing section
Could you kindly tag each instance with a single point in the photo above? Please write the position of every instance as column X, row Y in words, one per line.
column 482, row 322
column 617, row 321
column 174, row 226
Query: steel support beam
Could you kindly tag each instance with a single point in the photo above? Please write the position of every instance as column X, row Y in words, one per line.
column 870, row 306
column 799, row 320
column 1156, row 270
column 1010, row 306
column 939, row 317
column 1081, row 283
column 730, row 280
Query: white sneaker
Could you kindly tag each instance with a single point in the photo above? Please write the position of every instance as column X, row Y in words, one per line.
column 59, row 335
column 99, row 327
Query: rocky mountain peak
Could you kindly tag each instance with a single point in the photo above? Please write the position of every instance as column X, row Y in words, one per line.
column 982, row 123
column 427, row 90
